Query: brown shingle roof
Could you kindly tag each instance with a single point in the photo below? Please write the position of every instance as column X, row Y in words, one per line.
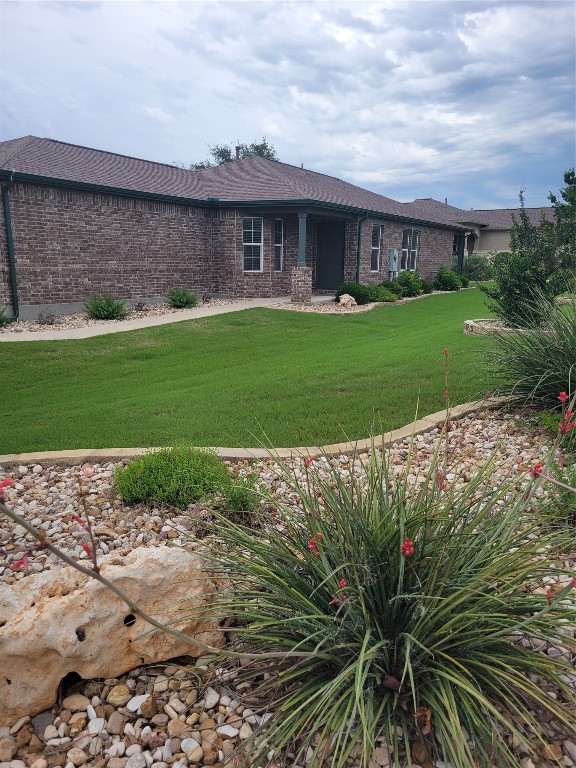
column 497, row 218
column 69, row 162
column 245, row 180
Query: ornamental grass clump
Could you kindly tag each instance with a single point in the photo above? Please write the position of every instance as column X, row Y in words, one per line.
column 105, row 308
column 415, row 611
column 535, row 363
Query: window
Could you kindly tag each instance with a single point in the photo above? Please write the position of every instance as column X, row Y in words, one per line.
column 410, row 248
column 252, row 241
column 376, row 244
column 278, row 245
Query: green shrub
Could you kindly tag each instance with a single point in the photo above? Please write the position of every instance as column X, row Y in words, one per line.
column 478, row 266
column 181, row 298
column 394, row 287
column 560, row 503
column 105, row 308
column 446, row 280
column 398, row 614
column 358, row 291
column 410, row 282
column 4, row 319
column 427, row 286
column 381, row 293
column 176, row 476
column 535, row 364
column 242, row 496
column 465, row 282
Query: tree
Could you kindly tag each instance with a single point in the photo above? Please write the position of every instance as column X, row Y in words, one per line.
column 222, row 153
column 541, row 262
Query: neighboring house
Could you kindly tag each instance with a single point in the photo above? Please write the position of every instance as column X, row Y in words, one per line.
column 489, row 230
column 77, row 222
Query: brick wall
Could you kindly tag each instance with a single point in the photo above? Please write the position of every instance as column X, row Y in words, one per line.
column 5, row 292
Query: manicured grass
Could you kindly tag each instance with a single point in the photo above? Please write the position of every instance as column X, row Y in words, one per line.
column 240, row 378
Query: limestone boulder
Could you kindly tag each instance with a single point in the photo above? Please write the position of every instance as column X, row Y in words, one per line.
column 346, row 300
column 61, row 621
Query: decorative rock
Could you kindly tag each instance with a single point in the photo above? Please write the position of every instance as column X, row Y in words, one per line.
column 76, row 702
column 40, row 645
column 176, row 727
column 345, row 300
column 95, row 726
column 116, row 762
column 77, row 756
column 119, row 695
column 211, row 698
column 227, row 731
column 16, row 727
column 40, row 763
column 134, row 704
column 188, row 745
column 115, row 724
column 196, row 755
column 148, row 708
column 7, row 749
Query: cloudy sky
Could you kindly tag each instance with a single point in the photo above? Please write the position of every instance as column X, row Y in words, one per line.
column 461, row 99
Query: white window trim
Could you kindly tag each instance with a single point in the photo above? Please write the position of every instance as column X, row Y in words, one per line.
column 279, row 245
column 379, row 249
column 260, row 244
column 407, row 259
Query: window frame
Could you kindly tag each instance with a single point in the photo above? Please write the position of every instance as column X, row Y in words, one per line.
column 279, row 245
column 252, row 243
column 409, row 255
column 376, row 229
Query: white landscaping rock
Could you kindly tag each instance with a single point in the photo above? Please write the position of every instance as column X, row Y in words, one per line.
column 43, row 617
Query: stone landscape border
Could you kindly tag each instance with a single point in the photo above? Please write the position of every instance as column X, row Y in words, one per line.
column 418, row 427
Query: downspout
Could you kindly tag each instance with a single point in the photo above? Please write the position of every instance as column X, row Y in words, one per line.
column 10, row 244
column 359, row 238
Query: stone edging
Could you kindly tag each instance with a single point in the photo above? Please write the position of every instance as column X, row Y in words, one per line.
column 425, row 424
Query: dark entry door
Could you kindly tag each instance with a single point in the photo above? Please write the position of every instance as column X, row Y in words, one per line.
column 329, row 256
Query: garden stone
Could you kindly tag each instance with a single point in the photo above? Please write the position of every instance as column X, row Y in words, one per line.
column 60, row 621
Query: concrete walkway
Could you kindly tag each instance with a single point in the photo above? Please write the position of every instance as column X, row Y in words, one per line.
column 135, row 323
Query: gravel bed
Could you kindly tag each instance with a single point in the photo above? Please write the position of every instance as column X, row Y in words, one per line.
column 81, row 319
column 192, row 717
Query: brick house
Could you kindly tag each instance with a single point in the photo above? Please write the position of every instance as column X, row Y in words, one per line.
column 77, row 222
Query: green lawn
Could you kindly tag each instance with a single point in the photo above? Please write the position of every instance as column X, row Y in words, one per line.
column 299, row 379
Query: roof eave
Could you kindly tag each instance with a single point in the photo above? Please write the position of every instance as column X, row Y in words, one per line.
column 83, row 186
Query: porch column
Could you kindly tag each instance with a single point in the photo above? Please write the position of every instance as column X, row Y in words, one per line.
column 301, row 275
column 302, row 239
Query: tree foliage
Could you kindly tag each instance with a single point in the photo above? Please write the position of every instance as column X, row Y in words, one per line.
column 225, row 153
column 541, row 262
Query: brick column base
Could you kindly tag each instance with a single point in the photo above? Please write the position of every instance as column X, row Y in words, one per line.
column 301, row 278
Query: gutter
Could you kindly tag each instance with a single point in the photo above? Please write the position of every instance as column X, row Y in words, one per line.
column 10, row 244
column 359, row 239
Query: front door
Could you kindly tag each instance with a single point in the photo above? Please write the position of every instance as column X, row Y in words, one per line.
column 329, row 255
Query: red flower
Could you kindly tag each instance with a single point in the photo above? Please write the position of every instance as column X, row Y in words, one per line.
column 487, row 393
column 313, row 545
column 537, row 470
column 407, row 547
column 563, row 397
column 549, row 594
column 342, row 583
column 5, row 484
column 335, row 601
column 573, row 582
column 79, row 520
column 445, row 394
column 566, row 426
column 23, row 563
column 309, row 461
column 87, row 549
column 446, row 353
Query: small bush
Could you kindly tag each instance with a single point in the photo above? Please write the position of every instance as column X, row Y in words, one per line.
column 536, row 363
column 427, row 286
column 105, row 308
column 182, row 298
column 358, row 291
column 394, row 287
column 176, row 476
column 478, row 266
column 241, row 496
column 382, row 294
column 465, row 281
column 410, row 282
column 4, row 319
column 446, row 280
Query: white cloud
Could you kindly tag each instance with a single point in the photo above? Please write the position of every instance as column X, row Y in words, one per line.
column 467, row 94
